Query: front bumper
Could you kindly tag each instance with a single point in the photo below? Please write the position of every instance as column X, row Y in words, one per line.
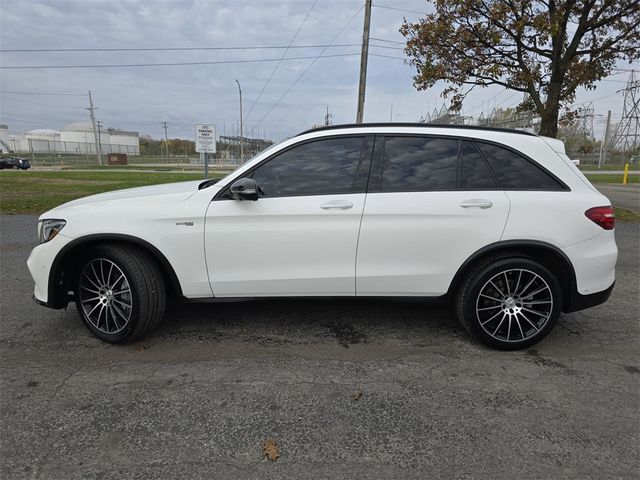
column 39, row 263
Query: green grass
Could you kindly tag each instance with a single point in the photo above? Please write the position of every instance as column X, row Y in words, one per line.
column 632, row 168
column 626, row 215
column 37, row 192
column 617, row 178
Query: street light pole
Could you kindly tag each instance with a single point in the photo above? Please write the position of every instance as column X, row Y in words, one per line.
column 241, row 129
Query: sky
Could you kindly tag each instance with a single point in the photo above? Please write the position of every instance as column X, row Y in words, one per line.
column 296, row 98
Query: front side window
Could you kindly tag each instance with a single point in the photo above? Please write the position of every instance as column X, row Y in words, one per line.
column 321, row 167
column 413, row 164
column 515, row 172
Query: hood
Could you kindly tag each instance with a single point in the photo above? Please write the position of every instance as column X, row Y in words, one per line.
column 172, row 191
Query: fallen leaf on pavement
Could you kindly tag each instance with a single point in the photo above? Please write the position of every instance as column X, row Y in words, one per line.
column 270, row 449
column 356, row 396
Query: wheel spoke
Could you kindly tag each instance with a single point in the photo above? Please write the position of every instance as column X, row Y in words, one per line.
column 541, row 289
column 86, row 277
column 497, row 289
column 90, row 299
column 519, row 326
column 487, row 321
column 122, row 303
column 95, row 275
column 528, row 285
column 114, row 317
column 533, row 311
column 89, row 289
column 499, row 324
column 117, row 310
column 506, row 280
column 489, row 308
column 109, row 276
column 121, row 292
column 91, row 311
column 509, row 328
column 529, row 322
column 492, row 298
column 515, row 289
column 104, row 281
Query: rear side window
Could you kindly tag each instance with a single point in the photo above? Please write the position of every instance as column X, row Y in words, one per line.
column 474, row 172
column 515, row 172
column 413, row 164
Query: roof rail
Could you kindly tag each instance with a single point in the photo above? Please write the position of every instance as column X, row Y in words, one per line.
column 417, row 125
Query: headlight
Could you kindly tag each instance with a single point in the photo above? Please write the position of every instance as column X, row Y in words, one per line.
column 49, row 228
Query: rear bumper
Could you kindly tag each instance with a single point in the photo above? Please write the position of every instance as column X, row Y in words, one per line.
column 577, row 301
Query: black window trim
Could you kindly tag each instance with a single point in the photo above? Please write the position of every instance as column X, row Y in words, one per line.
column 563, row 186
column 378, row 159
column 223, row 194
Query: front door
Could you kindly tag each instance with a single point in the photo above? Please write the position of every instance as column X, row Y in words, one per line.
column 300, row 237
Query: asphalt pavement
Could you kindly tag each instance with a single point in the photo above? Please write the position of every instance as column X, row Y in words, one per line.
column 625, row 196
column 347, row 389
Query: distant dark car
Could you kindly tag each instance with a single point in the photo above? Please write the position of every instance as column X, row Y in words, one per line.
column 14, row 162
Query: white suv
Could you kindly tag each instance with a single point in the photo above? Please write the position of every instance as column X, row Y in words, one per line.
column 500, row 222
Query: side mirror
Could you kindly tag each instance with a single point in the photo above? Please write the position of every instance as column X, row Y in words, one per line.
column 245, row 189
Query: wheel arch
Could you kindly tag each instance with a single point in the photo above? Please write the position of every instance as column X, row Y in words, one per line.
column 550, row 256
column 63, row 267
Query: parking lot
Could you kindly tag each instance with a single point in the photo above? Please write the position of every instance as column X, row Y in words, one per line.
column 348, row 389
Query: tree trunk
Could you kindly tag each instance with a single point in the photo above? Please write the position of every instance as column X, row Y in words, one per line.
column 549, row 120
column 549, row 116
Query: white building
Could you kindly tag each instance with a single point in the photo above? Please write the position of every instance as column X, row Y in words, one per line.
column 5, row 144
column 75, row 138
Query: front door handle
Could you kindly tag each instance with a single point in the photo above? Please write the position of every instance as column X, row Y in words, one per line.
column 336, row 205
column 477, row 203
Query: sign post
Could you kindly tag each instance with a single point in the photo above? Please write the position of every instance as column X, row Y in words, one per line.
column 205, row 143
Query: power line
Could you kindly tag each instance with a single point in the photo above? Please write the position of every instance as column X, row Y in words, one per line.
column 168, row 49
column 387, row 56
column 387, row 41
column 399, row 9
column 42, row 104
column 280, row 61
column 308, row 67
column 172, row 64
column 43, row 93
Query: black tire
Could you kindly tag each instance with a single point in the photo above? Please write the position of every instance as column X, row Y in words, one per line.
column 146, row 296
column 504, row 300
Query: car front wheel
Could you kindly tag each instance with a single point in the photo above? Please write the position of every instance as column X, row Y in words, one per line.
column 120, row 292
column 509, row 303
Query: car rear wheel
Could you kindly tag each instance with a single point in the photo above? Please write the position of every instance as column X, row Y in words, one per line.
column 509, row 303
column 120, row 293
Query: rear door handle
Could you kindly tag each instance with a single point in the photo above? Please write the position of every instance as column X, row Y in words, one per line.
column 336, row 205
column 477, row 203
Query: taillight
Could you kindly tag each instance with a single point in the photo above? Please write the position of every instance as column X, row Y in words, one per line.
column 602, row 216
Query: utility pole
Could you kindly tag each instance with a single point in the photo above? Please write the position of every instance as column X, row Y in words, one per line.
column 241, row 129
column 99, row 125
column 363, row 61
column 603, row 145
column 166, row 141
column 93, row 124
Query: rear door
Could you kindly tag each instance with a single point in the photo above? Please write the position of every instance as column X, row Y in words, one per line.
column 432, row 202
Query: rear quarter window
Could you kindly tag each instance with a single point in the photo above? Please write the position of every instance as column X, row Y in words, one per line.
column 515, row 172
